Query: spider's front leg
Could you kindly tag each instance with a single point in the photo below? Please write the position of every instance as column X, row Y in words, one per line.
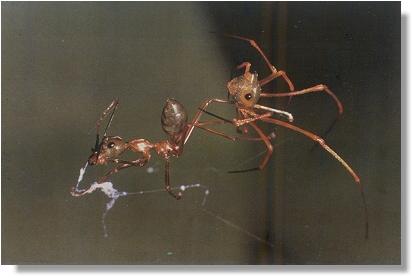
column 274, row 72
column 199, row 113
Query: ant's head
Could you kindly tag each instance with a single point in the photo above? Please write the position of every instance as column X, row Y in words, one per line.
column 245, row 89
column 110, row 148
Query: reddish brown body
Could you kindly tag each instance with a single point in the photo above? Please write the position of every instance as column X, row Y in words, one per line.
column 174, row 123
column 244, row 92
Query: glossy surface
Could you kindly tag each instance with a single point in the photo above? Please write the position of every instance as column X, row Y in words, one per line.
column 173, row 118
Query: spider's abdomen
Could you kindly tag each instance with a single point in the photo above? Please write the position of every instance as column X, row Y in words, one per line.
column 174, row 118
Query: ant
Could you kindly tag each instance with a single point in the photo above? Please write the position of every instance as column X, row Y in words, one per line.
column 244, row 92
column 175, row 124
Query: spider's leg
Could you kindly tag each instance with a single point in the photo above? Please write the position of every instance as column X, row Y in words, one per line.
column 199, row 113
column 326, row 132
column 315, row 89
column 269, row 151
column 274, row 72
column 222, row 120
column 323, row 144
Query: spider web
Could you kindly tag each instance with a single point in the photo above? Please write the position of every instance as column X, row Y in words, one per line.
column 113, row 195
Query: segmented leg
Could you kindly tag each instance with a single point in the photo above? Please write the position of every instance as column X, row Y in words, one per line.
column 249, row 117
column 241, row 129
column 199, row 113
column 317, row 139
column 275, row 73
column 277, row 111
column 315, row 89
column 168, row 188
column 217, row 133
column 81, row 192
column 254, row 117
column 246, row 120
column 123, row 164
column 245, row 65
column 314, row 137
column 232, row 138
column 322, row 143
column 269, row 152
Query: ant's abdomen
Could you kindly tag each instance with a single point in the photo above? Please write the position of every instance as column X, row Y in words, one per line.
column 174, row 118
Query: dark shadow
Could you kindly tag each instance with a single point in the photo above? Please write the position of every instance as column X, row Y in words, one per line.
column 405, row 115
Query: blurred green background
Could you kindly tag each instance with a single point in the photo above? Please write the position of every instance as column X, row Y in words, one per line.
column 63, row 63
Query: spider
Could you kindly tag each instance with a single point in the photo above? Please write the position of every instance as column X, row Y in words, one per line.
column 244, row 93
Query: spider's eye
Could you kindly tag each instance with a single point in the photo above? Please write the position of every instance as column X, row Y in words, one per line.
column 110, row 145
column 248, row 96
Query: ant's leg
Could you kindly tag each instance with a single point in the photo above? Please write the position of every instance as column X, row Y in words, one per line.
column 168, row 188
column 123, row 165
column 138, row 162
column 322, row 143
column 82, row 192
column 275, row 73
column 314, row 89
column 269, row 152
column 114, row 171
column 199, row 113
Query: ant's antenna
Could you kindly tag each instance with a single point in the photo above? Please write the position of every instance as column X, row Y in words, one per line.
column 113, row 107
column 111, row 117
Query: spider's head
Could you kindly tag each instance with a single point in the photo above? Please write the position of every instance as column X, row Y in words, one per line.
column 109, row 148
column 245, row 89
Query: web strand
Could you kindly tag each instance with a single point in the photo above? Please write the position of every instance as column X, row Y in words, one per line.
column 108, row 188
